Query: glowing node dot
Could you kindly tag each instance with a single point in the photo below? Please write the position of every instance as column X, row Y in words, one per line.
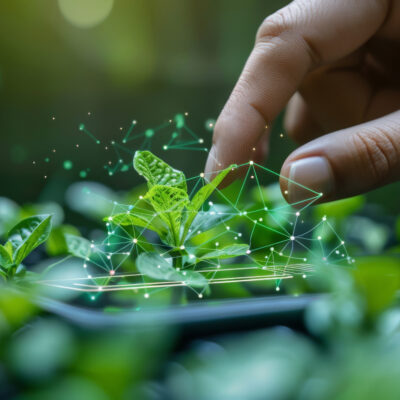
column 281, row 135
column 272, row 249
column 216, row 244
column 286, row 192
column 84, row 265
column 200, row 295
column 292, row 237
column 304, row 276
column 277, row 288
column 202, row 175
column 251, row 162
column 342, row 242
column 254, row 149
column 248, row 251
column 324, row 218
column 319, row 237
column 135, row 240
column 146, row 295
column 182, row 247
column 201, row 141
column 92, row 298
column 297, row 214
column 112, row 272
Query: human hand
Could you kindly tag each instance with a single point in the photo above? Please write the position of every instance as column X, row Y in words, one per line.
column 338, row 62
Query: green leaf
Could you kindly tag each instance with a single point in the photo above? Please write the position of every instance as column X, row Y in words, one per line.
column 147, row 221
column 158, row 172
column 341, row 208
column 5, row 257
column 156, row 267
column 28, row 234
column 78, row 246
column 56, row 244
column 201, row 196
column 233, row 250
column 169, row 203
column 205, row 220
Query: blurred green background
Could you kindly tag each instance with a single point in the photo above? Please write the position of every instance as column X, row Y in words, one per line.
column 119, row 60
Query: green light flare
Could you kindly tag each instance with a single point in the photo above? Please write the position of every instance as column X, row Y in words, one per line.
column 68, row 164
column 149, row 133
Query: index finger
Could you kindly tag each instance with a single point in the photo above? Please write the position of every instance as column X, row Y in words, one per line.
column 290, row 43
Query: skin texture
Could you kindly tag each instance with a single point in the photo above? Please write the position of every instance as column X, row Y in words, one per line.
column 335, row 65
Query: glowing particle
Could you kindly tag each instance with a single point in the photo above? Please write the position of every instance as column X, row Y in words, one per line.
column 248, row 251
column 47, row 159
column 83, row 174
column 209, row 124
column 324, row 218
column 135, row 240
column 201, row 140
column 146, row 295
column 81, row 127
column 202, row 175
column 254, row 149
column 292, row 237
column 304, row 276
column 216, row 244
column 251, row 162
column 277, row 288
column 92, row 298
column 281, row 135
column 149, row 133
column 182, row 247
column 200, row 295
column 319, row 237
column 68, row 164
column 84, row 265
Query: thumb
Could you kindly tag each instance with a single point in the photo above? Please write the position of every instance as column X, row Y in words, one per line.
column 344, row 163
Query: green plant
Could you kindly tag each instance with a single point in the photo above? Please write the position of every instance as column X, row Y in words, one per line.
column 175, row 218
column 23, row 238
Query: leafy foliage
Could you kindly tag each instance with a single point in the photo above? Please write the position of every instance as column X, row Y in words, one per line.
column 156, row 267
column 175, row 218
column 158, row 172
column 22, row 240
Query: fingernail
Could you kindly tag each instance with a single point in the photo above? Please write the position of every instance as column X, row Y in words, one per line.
column 314, row 173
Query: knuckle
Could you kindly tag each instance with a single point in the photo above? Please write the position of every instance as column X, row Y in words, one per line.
column 273, row 26
column 378, row 153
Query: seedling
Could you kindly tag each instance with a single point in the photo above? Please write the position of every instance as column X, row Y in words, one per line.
column 175, row 218
column 22, row 240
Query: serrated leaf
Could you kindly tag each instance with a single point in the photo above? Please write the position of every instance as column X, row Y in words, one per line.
column 78, row 246
column 5, row 258
column 201, row 196
column 230, row 251
column 156, row 267
column 158, row 172
column 28, row 234
column 169, row 203
column 147, row 221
